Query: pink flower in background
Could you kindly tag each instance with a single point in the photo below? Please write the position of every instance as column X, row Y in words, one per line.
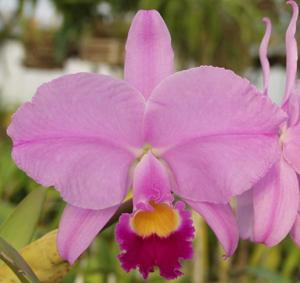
column 204, row 134
column 268, row 212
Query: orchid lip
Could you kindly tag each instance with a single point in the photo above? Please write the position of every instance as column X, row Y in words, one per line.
column 148, row 253
column 162, row 221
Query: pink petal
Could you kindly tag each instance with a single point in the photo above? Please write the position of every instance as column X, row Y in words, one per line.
column 207, row 101
column 216, row 132
column 263, row 54
column 150, row 182
column 295, row 232
column 222, row 221
column 77, row 229
column 78, row 134
column 293, row 106
column 291, row 52
column 275, row 203
column 149, row 54
column 215, row 168
column 291, row 147
column 245, row 214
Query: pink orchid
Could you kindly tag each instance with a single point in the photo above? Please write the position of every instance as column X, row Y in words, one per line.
column 268, row 212
column 204, row 134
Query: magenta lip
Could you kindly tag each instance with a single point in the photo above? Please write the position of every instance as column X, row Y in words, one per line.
column 167, row 253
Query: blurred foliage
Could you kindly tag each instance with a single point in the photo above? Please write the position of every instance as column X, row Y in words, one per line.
column 40, row 46
column 7, row 25
column 76, row 15
column 219, row 32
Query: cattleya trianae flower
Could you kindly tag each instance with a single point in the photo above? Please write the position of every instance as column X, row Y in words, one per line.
column 269, row 211
column 203, row 134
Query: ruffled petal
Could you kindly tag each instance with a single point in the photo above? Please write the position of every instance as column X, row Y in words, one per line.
column 78, row 135
column 149, row 54
column 211, row 126
column 77, row 229
column 147, row 253
column 150, row 183
column 275, row 204
column 222, row 221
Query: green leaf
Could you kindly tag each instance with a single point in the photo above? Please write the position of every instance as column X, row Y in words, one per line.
column 291, row 262
column 16, row 263
column 268, row 275
column 18, row 229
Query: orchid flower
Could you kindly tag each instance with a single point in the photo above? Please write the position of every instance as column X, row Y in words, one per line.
column 269, row 211
column 203, row 134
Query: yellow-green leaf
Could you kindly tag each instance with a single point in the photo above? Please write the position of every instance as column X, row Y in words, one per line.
column 18, row 229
